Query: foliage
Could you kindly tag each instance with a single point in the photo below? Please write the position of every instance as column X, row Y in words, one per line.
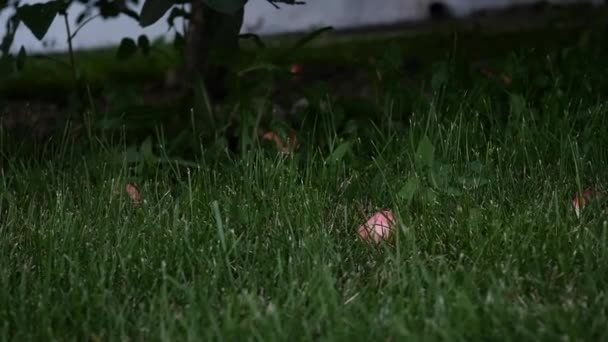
column 39, row 17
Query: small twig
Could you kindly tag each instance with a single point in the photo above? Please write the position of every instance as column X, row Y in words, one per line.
column 83, row 24
column 304, row 40
column 273, row 3
column 184, row 26
column 265, row 66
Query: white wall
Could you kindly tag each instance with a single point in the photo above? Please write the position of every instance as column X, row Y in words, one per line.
column 262, row 18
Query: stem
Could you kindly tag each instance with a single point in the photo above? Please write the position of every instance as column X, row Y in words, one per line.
column 184, row 24
column 71, row 50
column 82, row 25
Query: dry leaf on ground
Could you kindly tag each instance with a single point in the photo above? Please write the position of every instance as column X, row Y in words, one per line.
column 284, row 147
column 580, row 201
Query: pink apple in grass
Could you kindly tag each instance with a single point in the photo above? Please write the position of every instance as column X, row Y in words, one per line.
column 134, row 193
column 378, row 227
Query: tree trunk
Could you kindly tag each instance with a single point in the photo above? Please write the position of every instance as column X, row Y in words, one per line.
column 211, row 44
column 197, row 41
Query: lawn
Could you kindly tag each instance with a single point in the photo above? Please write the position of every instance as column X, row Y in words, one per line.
column 233, row 240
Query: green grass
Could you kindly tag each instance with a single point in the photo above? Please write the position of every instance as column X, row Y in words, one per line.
column 262, row 246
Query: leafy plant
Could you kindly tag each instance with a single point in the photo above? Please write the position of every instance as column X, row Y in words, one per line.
column 432, row 177
column 212, row 32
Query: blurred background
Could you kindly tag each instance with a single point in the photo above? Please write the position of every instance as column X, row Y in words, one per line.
column 264, row 19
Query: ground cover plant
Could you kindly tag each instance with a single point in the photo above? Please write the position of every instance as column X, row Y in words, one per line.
column 120, row 226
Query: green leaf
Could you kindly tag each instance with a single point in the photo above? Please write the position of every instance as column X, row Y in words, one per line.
column 153, row 10
column 339, row 152
column 126, row 49
column 109, row 123
column 21, row 58
column 310, row 37
column 392, row 60
column 476, row 166
column 82, row 16
column 425, row 153
column 428, row 196
column 144, row 44
column 518, row 104
column 179, row 161
column 146, row 150
column 475, row 218
column 130, row 13
column 409, row 190
column 131, row 155
column 439, row 177
column 473, row 183
column 440, row 76
column 226, row 6
column 303, row 41
column 452, row 191
column 39, row 17
column 108, row 8
column 585, row 39
column 176, row 13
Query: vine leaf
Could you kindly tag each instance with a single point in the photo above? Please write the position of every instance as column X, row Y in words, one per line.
column 39, row 17
column 226, row 6
column 153, row 10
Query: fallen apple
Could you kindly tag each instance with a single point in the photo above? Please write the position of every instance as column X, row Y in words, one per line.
column 378, row 228
column 133, row 193
column 295, row 69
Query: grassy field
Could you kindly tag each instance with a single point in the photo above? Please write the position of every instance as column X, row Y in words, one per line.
column 259, row 245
